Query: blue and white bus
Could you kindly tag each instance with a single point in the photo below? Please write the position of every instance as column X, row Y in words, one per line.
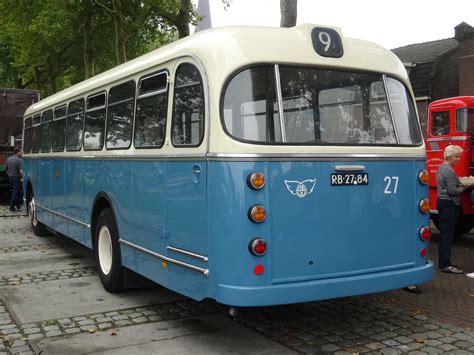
column 253, row 166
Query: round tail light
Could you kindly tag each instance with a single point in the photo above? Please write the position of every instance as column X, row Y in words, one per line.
column 425, row 233
column 423, row 252
column 424, row 205
column 256, row 180
column 258, row 246
column 257, row 214
column 424, row 177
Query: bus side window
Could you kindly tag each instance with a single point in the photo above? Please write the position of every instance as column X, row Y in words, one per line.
column 440, row 123
column 120, row 115
column 36, row 136
column 28, row 136
column 46, row 119
column 188, row 107
column 94, row 124
column 59, row 129
column 75, row 117
column 152, row 107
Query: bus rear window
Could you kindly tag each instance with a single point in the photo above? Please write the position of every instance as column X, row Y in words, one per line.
column 318, row 107
column 465, row 120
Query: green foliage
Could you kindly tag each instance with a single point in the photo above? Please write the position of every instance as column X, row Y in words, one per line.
column 42, row 43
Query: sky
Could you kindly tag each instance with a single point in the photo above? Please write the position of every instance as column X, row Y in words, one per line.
column 391, row 24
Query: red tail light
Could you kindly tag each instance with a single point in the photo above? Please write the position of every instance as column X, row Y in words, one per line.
column 425, row 233
column 423, row 252
column 258, row 246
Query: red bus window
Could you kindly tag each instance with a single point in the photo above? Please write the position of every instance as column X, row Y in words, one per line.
column 440, row 123
column 465, row 120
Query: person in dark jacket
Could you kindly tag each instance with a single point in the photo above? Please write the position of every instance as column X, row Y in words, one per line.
column 449, row 206
column 13, row 168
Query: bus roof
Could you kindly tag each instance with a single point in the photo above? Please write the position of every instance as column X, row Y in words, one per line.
column 224, row 50
column 457, row 101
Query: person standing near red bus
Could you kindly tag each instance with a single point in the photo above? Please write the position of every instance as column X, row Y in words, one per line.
column 449, row 205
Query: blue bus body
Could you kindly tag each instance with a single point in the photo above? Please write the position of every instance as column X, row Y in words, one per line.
column 336, row 241
column 150, row 166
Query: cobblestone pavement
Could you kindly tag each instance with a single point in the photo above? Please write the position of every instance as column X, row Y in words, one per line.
column 437, row 321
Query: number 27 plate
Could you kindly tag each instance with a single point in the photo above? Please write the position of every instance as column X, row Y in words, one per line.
column 347, row 179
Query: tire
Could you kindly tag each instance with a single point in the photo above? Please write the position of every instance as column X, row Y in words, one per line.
column 435, row 219
column 107, row 252
column 464, row 225
column 38, row 228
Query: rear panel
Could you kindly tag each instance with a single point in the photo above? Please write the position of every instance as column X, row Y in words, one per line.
column 318, row 232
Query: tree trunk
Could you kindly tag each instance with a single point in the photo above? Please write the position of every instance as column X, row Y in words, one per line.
column 182, row 21
column 288, row 9
column 119, row 32
column 88, row 59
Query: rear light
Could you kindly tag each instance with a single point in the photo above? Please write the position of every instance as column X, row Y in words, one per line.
column 258, row 246
column 425, row 233
column 258, row 269
column 423, row 252
column 257, row 214
column 256, row 180
column 424, row 177
column 424, row 205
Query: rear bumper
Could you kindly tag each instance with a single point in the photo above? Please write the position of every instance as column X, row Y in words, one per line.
column 298, row 292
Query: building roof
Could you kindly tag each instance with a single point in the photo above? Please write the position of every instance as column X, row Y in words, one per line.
column 420, row 78
column 425, row 52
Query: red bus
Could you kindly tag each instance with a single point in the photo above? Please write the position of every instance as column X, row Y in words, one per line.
column 451, row 121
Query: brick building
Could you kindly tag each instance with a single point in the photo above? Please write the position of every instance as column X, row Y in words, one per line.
column 440, row 69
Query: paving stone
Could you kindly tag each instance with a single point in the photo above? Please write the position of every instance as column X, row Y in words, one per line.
column 31, row 331
column 53, row 333
column 86, row 322
column 35, row 336
column 102, row 326
column 72, row 331
column 329, row 347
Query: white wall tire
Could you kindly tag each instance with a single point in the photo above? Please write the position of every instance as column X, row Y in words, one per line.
column 38, row 228
column 107, row 252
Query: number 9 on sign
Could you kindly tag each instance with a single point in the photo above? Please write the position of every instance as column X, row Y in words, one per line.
column 327, row 42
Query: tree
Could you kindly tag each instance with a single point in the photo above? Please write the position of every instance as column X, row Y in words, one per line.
column 288, row 10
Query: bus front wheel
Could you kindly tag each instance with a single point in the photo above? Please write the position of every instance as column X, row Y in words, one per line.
column 107, row 252
column 38, row 228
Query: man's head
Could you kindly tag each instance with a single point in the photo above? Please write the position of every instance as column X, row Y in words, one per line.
column 17, row 151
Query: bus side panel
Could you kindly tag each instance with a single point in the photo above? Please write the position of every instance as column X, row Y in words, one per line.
column 186, row 224
column 58, row 195
column 148, row 217
column 45, row 188
column 35, row 179
column 117, row 184
column 74, row 197
column 92, row 173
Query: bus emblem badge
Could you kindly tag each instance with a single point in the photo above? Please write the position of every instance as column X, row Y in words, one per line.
column 300, row 188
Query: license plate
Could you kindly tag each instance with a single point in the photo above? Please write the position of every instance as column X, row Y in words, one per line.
column 349, row 179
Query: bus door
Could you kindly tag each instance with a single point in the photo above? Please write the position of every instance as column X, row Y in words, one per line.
column 57, row 194
column 186, row 179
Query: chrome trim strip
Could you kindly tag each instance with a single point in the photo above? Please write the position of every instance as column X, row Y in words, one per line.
column 64, row 216
column 280, row 103
column 188, row 253
column 349, row 167
column 454, row 138
column 205, row 272
column 313, row 156
column 434, row 211
column 116, row 157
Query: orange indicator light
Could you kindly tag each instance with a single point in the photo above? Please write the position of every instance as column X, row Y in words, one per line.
column 424, row 177
column 257, row 214
column 164, row 264
column 424, row 205
column 256, row 181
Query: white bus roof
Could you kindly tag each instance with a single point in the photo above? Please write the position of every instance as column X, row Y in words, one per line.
column 226, row 49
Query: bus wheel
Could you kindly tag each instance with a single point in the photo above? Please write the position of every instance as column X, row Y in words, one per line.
column 107, row 252
column 38, row 228
column 464, row 225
